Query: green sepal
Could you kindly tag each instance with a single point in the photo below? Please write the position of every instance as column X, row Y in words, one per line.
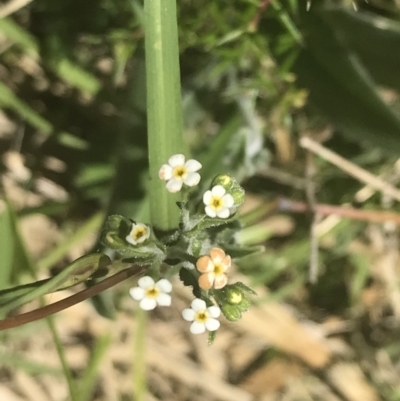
column 233, row 301
column 117, row 222
column 207, row 222
column 211, row 337
column 231, row 312
column 225, row 180
column 244, row 288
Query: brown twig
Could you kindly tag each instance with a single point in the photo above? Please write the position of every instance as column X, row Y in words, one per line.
column 256, row 20
column 312, row 204
column 12, row 7
column 48, row 310
column 373, row 216
column 350, row 168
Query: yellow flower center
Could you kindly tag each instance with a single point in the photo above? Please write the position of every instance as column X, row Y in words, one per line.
column 139, row 233
column 201, row 316
column 216, row 202
column 218, row 269
column 180, row 172
column 152, row 292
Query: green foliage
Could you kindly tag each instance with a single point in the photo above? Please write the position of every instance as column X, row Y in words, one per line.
column 14, row 260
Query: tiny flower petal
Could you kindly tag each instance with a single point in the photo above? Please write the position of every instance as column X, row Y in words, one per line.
column 174, row 185
column 226, row 262
column 192, row 179
column 148, row 303
column 211, row 324
column 218, row 190
column 165, row 172
column 207, row 197
column 198, row 305
column 137, row 293
column 164, row 285
column 188, row 314
column 219, row 282
column 176, row 160
column 164, row 299
column 210, row 212
column 217, row 254
column 214, row 311
column 145, row 282
column 197, row 328
column 204, row 264
column 228, row 200
column 206, row 281
column 193, row 165
column 223, row 213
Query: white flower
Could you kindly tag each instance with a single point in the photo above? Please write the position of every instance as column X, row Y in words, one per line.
column 139, row 233
column 150, row 294
column 202, row 317
column 177, row 173
column 218, row 202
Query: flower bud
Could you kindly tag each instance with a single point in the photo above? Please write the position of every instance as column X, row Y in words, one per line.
column 224, row 180
column 112, row 240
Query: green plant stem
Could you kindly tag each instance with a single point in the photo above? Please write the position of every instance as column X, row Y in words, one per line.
column 53, row 330
column 139, row 367
column 164, row 105
column 62, row 357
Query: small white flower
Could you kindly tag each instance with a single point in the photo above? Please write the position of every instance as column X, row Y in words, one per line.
column 139, row 233
column 150, row 294
column 177, row 173
column 218, row 202
column 202, row 317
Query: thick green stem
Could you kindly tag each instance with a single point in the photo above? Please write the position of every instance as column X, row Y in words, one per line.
column 164, row 106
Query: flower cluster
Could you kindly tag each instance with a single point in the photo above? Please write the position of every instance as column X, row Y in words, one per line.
column 196, row 247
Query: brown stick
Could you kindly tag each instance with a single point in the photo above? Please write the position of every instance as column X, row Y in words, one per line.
column 256, row 20
column 374, row 216
column 351, row 168
column 48, row 310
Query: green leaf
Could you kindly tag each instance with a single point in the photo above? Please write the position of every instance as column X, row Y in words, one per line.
column 189, row 280
column 9, row 100
column 76, row 76
column 67, row 70
column 88, row 379
column 13, row 257
column 240, row 251
column 375, row 39
column 342, row 89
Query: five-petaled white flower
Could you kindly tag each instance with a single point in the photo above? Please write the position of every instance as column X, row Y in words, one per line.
column 151, row 294
column 139, row 233
column 218, row 202
column 177, row 173
column 214, row 269
column 202, row 317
